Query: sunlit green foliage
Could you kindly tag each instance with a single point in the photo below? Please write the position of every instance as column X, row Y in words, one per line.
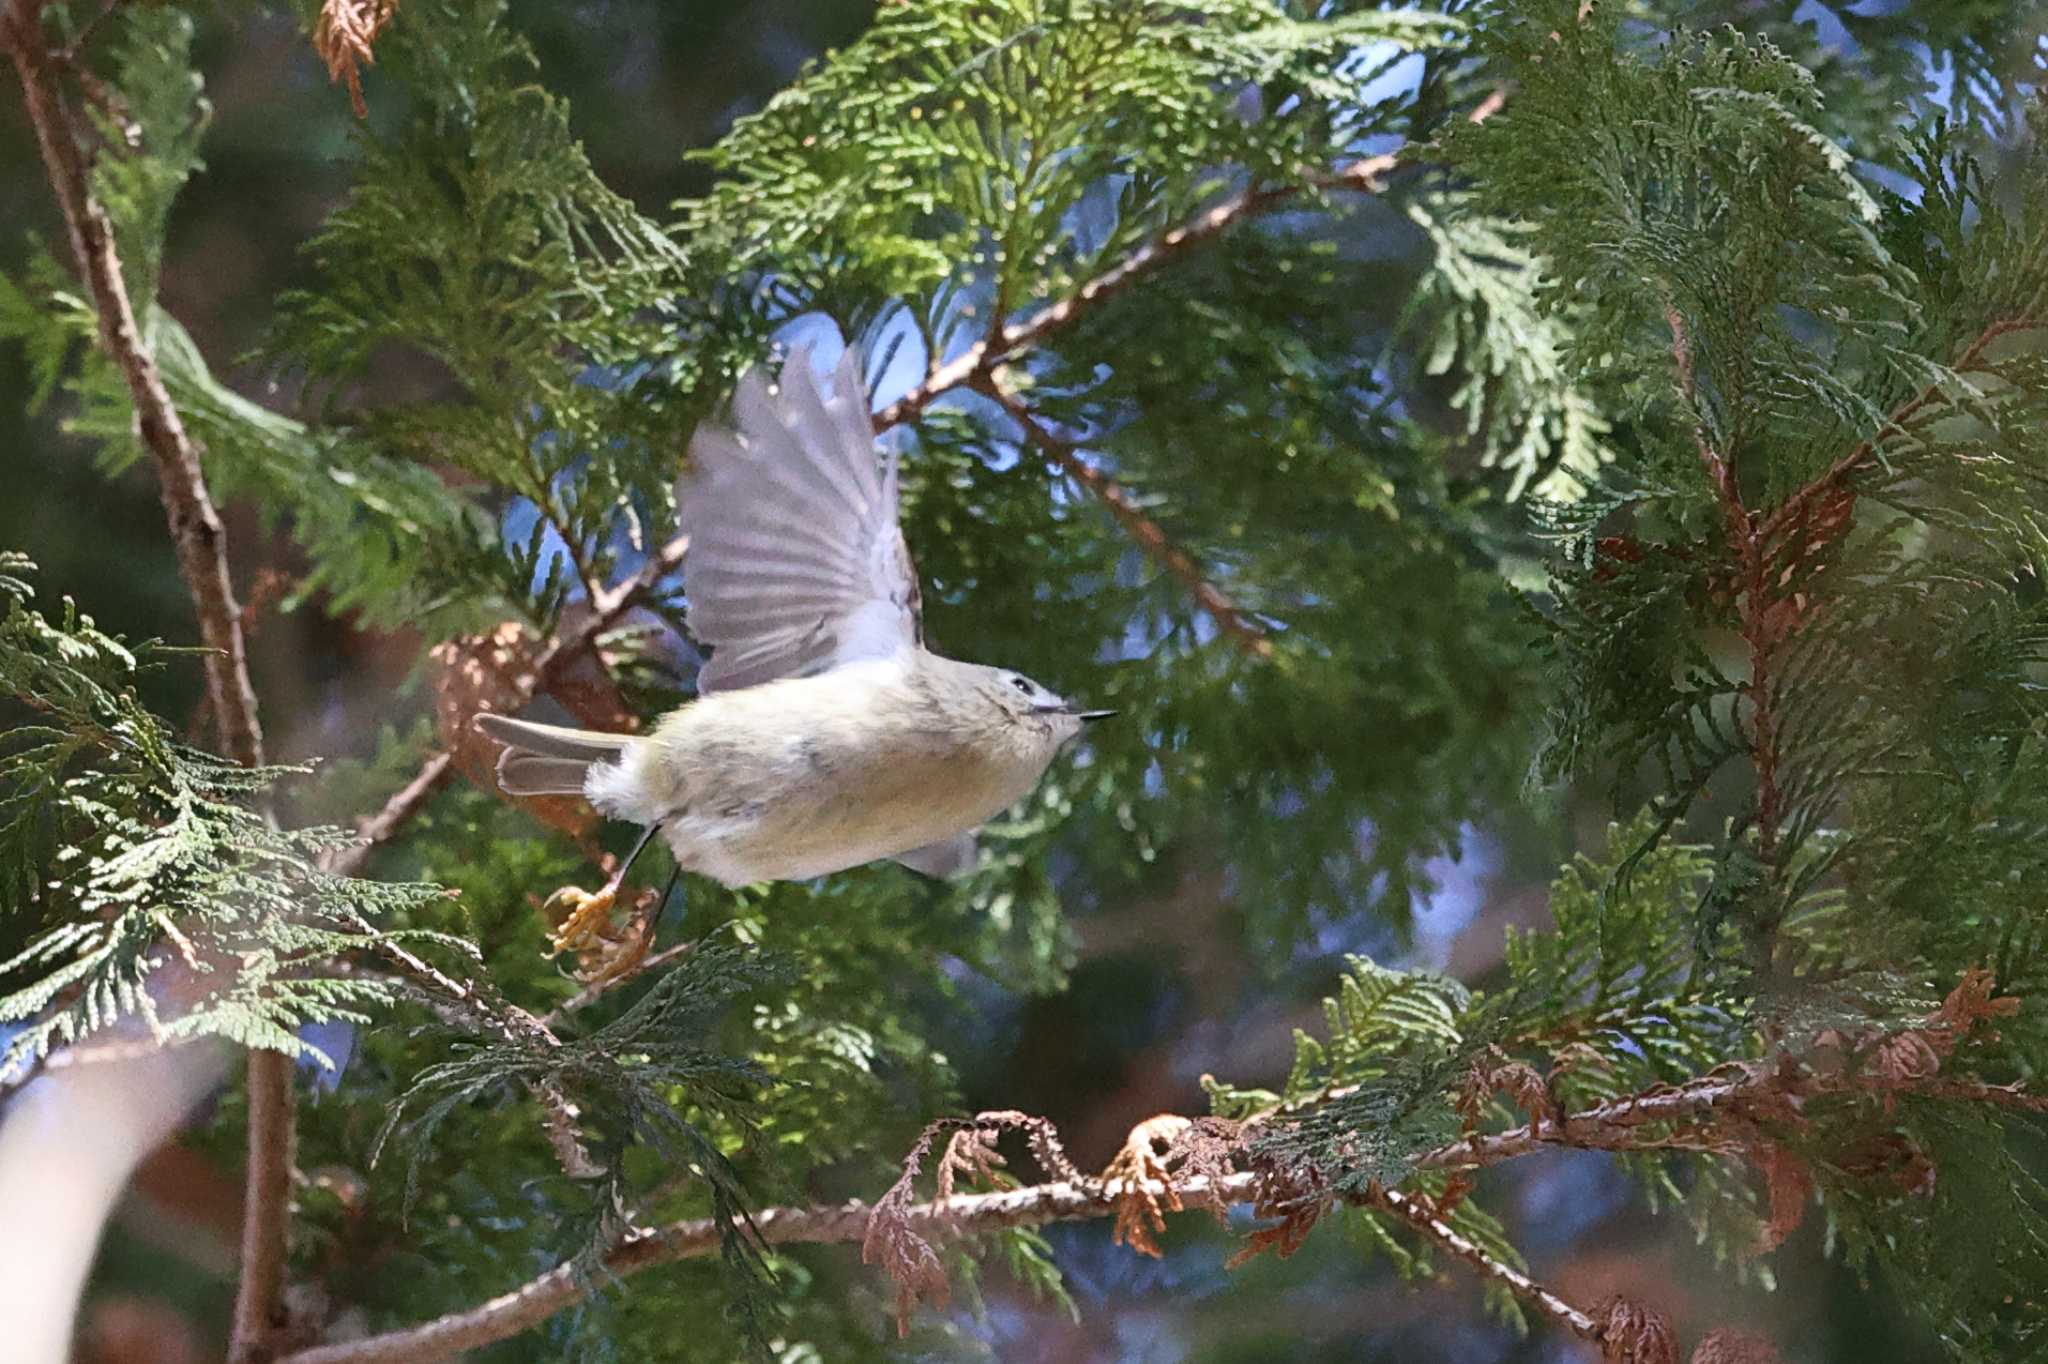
column 119, row 844
column 1707, row 362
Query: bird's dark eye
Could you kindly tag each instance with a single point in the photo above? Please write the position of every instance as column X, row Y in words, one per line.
column 1021, row 685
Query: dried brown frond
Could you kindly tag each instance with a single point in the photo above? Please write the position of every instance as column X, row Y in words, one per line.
column 1902, row 1059
column 908, row 1257
column 1167, row 1163
column 1297, row 1200
column 890, row 1240
column 485, row 673
column 1043, row 1137
column 1970, row 1003
column 1893, row 1160
column 1788, row 1183
column 1726, row 1345
column 1631, row 1333
column 1141, row 1185
column 582, row 676
column 344, row 35
column 1493, row 1072
column 970, row 1157
column 1457, row 1189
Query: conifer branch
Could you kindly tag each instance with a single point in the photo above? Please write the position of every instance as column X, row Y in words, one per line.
column 1148, row 533
column 1802, row 503
column 1417, row 1213
column 984, row 357
column 1003, row 344
column 608, row 606
column 196, row 531
column 200, row 543
column 1728, row 1098
column 1757, row 619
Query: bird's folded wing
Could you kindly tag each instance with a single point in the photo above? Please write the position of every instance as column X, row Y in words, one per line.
column 795, row 562
column 955, row 857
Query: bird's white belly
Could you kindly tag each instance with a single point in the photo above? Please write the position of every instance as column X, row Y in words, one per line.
column 742, row 852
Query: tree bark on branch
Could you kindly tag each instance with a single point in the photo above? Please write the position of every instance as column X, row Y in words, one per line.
column 200, row 543
column 1727, row 1097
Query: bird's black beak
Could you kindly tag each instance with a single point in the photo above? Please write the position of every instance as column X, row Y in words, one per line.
column 1090, row 716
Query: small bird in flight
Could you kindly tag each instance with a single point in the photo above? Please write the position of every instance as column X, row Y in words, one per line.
column 825, row 734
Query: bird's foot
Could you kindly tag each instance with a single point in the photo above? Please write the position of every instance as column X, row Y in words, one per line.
column 588, row 918
column 602, row 955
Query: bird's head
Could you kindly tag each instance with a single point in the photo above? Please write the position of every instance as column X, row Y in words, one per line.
column 1019, row 713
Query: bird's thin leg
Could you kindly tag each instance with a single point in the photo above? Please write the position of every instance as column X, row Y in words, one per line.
column 642, row 931
column 587, row 913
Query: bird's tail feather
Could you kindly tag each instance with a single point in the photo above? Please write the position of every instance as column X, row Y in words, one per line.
column 530, row 774
column 552, row 741
column 547, row 760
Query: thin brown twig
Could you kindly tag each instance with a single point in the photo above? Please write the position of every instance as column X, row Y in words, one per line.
column 1802, row 501
column 1757, row 627
column 608, row 606
column 1006, row 343
column 200, row 543
column 1367, row 174
column 597, row 989
column 1234, row 623
column 1729, row 1093
column 1418, row 1214
column 195, row 524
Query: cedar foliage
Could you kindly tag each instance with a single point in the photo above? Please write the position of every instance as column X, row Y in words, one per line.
column 1670, row 436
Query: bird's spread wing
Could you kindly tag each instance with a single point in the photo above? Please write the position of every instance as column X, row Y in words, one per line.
column 795, row 564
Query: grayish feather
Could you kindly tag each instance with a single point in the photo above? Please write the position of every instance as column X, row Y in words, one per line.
column 944, row 860
column 547, row 760
column 796, row 564
column 529, row 774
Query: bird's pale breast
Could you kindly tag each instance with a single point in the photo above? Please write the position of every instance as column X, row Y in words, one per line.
column 798, row 778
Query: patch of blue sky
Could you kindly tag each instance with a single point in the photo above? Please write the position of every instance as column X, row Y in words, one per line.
column 516, row 528
column 1563, row 1195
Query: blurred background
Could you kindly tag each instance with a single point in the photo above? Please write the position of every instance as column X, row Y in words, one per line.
column 1161, row 992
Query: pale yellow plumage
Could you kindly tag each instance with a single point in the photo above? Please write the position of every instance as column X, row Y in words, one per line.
column 827, row 735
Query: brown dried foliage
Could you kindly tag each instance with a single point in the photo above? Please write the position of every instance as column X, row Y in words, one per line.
column 1631, row 1333
column 1788, row 1183
column 1892, row 1160
column 970, row 1154
column 1495, row 1072
column 344, row 35
column 1911, row 1057
column 486, row 673
column 1296, row 1200
column 1726, row 1345
column 1167, row 1164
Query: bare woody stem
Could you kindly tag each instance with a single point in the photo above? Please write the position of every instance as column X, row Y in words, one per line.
column 1680, row 1117
column 200, row 543
column 1747, row 543
column 608, row 606
column 1149, row 535
column 982, row 358
column 1419, row 1215
column 196, row 531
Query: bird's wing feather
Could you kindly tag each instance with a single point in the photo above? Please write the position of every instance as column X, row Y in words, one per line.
column 796, row 563
column 943, row 861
